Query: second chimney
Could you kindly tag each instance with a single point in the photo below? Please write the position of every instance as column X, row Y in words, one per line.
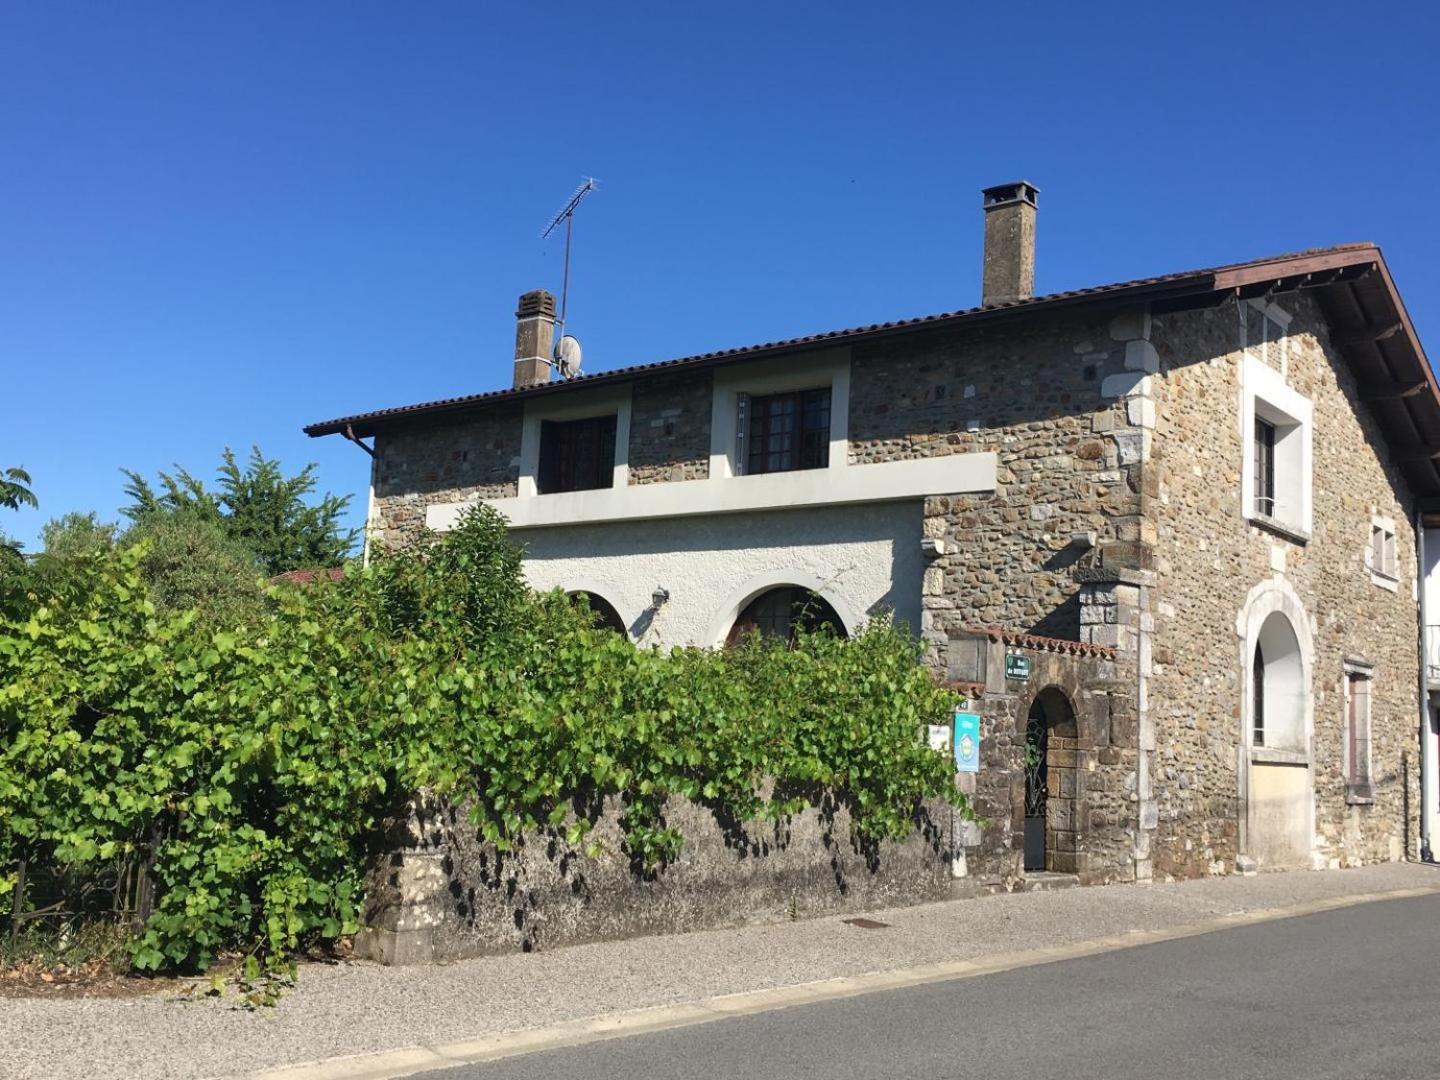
column 534, row 338
column 1009, row 243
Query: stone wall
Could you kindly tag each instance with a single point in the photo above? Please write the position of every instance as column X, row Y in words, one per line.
column 1092, row 807
column 443, row 894
column 1035, row 397
column 1208, row 560
column 441, row 462
column 670, row 428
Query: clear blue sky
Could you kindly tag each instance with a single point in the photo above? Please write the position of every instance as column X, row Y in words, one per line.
column 219, row 222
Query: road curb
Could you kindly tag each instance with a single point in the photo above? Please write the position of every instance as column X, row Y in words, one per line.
column 407, row 1061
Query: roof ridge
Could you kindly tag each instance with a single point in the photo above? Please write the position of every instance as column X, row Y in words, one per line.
column 339, row 424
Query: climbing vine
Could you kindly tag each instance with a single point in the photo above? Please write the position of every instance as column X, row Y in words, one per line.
column 248, row 771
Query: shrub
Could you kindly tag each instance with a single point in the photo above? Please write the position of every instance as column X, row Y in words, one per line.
column 249, row 766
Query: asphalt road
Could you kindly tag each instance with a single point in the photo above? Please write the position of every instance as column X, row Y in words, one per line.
column 1351, row 994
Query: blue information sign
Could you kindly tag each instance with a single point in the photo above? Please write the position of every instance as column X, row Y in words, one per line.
column 967, row 742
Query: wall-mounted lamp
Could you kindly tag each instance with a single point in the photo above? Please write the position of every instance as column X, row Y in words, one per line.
column 659, row 596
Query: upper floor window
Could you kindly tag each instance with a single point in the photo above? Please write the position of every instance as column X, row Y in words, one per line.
column 576, row 455
column 1264, row 327
column 786, row 431
column 1264, row 467
column 1382, row 556
column 1276, row 483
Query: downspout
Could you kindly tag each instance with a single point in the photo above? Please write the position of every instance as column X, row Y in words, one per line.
column 1426, row 854
column 349, row 433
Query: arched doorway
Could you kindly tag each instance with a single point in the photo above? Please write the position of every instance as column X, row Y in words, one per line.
column 779, row 612
column 605, row 615
column 1051, row 741
column 1276, row 779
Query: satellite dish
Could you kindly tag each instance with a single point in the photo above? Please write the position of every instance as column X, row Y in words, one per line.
column 567, row 355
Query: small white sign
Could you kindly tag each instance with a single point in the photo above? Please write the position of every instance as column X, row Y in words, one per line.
column 940, row 737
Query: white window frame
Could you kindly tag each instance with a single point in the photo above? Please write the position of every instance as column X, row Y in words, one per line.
column 736, row 384
column 580, row 406
column 1274, row 317
column 1382, row 553
column 1265, row 394
column 1360, row 792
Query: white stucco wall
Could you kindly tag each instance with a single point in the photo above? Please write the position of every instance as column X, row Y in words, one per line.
column 863, row 559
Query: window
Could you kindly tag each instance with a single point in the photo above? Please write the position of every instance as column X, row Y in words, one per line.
column 1276, row 484
column 1264, row 467
column 1257, row 695
column 783, row 432
column 1381, row 556
column 576, row 455
column 1264, row 327
column 777, row 613
column 1357, row 733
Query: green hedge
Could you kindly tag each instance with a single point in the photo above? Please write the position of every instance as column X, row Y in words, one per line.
column 255, row 766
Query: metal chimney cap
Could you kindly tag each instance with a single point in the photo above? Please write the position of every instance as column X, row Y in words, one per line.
column 1016, row 191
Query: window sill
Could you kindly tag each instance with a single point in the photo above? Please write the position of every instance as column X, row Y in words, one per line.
column 1280, row 528
column 1271, row 755
column 1385, row 581
column 1361, row 795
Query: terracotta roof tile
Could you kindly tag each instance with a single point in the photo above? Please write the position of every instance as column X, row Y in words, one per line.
column 367, row 420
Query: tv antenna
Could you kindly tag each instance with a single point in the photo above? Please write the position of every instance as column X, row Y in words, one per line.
column 567, row 215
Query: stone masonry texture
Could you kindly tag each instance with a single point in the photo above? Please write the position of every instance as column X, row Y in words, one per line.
column 670, row 428
column 1207, row 558
column 1116, row 521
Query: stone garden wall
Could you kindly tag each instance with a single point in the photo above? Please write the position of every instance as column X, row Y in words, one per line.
column 444, row 894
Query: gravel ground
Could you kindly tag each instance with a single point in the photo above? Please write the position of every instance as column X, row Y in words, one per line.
column 360, row 1007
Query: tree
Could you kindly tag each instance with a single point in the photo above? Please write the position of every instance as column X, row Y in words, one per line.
column 75, row 534
column 194, row 564
column 15, row 490
column 14, row 493
column 257, row 505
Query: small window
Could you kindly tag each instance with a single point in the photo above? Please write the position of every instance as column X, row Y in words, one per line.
column 1382, row 556
column 1265, row 333
column 576, row 455
column 1264, row 467
column 1358, row 787
column 787, row 431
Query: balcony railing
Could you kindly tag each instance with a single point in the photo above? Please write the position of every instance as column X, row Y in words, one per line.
column 1432, row 654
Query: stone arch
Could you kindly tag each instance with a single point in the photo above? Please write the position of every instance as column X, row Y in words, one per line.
column 1275, row 767
column 1052, row 783
column 720, row 626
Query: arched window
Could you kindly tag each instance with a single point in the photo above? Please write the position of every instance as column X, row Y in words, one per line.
column 1277, row 687
column 776, row 613
column 606, row 617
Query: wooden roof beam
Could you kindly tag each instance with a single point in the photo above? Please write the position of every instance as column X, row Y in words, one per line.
column 1415, row 454
column 1370, row 332
column 1391, row 390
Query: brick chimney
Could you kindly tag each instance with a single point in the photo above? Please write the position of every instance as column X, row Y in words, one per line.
column 534, row 338
column 1009, row 242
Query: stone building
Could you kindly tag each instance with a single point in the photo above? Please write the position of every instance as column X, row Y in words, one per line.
column 1168, row 532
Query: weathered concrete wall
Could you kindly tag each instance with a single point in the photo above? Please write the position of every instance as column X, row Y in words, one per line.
column 1208, row 560
column 478, row 456
column 865, row 560
column 444, row 894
